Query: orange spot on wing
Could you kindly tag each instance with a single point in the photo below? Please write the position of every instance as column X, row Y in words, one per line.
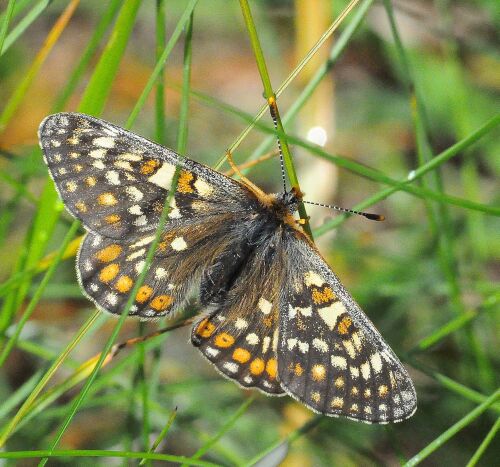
column 124, row 284
column 109, row 253
column 298, row 370
column 80, row 205
column 324, row 296
column 272, row 368
column 241, row 355
column 112, row 218
column 205, row 328
column 344, row 325
column 143, row 293
column 183, row 185
column 109, row 272
column 257, row 366
column 148, row 167
column 224, row 340
column 161, row 302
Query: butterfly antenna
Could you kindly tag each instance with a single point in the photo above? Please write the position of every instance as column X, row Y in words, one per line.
column 282, row 164
column 372, row 217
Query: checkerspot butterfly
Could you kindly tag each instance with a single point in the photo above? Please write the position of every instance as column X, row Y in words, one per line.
column 276, row 316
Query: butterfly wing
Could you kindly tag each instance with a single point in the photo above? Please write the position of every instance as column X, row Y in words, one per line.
column 107, row 269
column 240, row 333
column 330, row 356
column 116, row 182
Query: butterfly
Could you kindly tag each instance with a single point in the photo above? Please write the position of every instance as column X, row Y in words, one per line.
column 276, row 318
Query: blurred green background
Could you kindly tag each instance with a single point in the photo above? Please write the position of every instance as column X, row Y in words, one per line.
column 400, row 84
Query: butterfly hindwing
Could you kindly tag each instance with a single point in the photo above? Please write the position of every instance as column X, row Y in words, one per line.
column 330, row 356
column 240, row 334
column 108, row 268
column 116, row 182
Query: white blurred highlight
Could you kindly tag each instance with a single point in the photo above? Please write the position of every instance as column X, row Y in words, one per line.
column 317, row 135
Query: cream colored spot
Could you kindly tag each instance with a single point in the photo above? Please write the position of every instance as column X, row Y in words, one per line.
column 241, row 324
column 163, row 176
column 160, row 273
column 178, row 244
column 339, row 362
column 349, row 348
column 354, row 372
column 57, row 157
column 365, row 370
column 291, row 343
column 320, row 345
column 134, row 193
column 55, row 143
column 367, row 393
column 74, row 155
column 203, row 188
column 231, row 367
column 252, row 338
column 330, row 314
column 354, row 408
column 265, row 306
column 382, row 407
column 143, row 242
column 311, row 278
column 140, row 221
column 265, row 344
column 339, row 382
column 135, row 209
column 71, row 186
column 99, row 165
column 354, row 391
column 104, row 142
column 97, row 153
column 303, row 347
column 112, row 298
column 292, row 312
column 376, row 362
column 62, row 171
column 128, row 156
column 357, row 339
column 136, row 254
column 112, row 177
column 139, row 267
column 123, row 165
column 74, row 140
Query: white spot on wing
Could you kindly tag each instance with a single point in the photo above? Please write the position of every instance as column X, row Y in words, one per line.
column 135, row 209
column 163, row 176
column 134, row 193
column 330, row 314
column 104, row 142
column 112, row 177
column 97, row 153
column 312, row 278
column 339, row 362
column 240, row 324
column 178, row 244
column 320, row 345
column 203, row 188
column 265, row 344
column 265, row 306
column 252, row 338
column 376, row 362
column 231, row 367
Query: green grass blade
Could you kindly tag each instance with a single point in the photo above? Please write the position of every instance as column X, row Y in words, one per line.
column 5, row 23
column 453, row 430
column 97, row 91
column 484, row 445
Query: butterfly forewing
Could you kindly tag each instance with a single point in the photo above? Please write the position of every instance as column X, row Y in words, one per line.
column 116, row 182
column 330, row 356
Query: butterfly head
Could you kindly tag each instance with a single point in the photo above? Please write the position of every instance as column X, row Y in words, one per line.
column 290, row 199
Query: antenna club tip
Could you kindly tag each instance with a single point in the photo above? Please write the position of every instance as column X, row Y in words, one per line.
column 375, row 217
